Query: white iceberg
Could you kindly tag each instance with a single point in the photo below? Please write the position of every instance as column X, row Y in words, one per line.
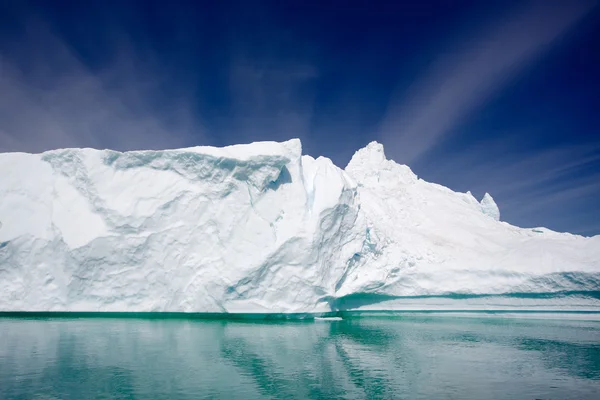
column 489, row 207
column 261, row 228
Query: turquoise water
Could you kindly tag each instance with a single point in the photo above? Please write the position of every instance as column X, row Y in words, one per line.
column 408, row 356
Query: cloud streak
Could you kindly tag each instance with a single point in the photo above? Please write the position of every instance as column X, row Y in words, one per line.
column 458, row 85
column 50, row 99
column 533, row 186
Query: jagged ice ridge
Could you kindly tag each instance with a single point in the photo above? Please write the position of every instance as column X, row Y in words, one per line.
column 262, row 228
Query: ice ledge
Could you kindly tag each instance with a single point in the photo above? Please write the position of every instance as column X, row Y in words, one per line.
column 291, row 148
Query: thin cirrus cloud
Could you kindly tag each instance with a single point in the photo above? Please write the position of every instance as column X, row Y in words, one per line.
column 458, row 85
column 512, row 173
column 50, row 99
column 553, row 187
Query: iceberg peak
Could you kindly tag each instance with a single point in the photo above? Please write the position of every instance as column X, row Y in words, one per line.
column 373, row 151
column 372, row 156
column 370, row 166
column 489, row 207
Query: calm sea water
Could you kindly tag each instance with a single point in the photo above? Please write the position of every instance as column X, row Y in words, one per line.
column 409, row 357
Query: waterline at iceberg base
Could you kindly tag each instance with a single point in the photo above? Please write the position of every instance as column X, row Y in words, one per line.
column 260, row 228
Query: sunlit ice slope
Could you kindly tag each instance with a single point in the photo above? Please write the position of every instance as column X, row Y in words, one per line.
column 261, row 228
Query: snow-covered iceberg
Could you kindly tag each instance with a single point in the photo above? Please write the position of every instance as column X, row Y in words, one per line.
column 261, row 228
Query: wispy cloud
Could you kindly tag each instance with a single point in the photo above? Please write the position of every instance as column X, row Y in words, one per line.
column 498, row 165
column 50, row 99
column 531, row 183
column 131, row 99
column 533, row 186
column 458, row 85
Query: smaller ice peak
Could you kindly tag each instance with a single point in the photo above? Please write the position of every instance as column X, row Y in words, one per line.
column 470, row 199
column 369, row 166
column 489, row 207
column 371, row 154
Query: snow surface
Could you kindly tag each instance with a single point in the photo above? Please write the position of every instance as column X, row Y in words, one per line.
column 261, row 228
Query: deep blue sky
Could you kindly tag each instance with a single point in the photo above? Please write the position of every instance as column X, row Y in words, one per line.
column 483, row 96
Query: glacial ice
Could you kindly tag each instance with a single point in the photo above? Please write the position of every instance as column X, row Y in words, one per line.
column 489, row 207
column 262, row 228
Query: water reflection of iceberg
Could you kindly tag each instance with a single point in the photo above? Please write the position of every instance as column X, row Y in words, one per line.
column 418, row 356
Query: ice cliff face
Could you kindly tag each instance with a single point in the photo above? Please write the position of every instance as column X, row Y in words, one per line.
column 261, row 228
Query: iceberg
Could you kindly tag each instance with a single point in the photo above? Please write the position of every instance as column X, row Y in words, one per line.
column 261, row 228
